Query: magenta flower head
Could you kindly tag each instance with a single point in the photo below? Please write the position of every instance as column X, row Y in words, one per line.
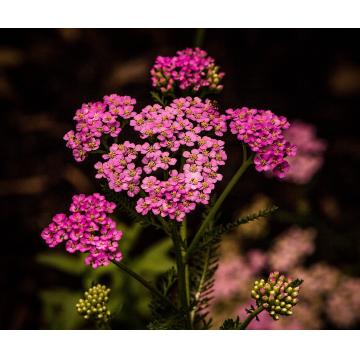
column 190, row 69
column 93, row 120
column 187, row 129
column 262, row 131
column 87, row 229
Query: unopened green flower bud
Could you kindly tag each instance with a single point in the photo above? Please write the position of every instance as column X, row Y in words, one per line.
column 277, row 295
column 94, row 304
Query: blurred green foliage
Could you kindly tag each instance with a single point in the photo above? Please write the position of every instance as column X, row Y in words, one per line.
column 128, row 299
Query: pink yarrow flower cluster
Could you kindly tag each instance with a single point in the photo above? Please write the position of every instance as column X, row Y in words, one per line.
column 262, row 131
column 87, row 229
column 176, row 131
column 93, row 120
column 190, row 69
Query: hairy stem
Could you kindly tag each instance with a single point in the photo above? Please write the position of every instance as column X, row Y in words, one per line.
column 183, row 276
column 183, row 233
column 200, row 285
column 218, row 203
column 251, row 316
column 143, row 282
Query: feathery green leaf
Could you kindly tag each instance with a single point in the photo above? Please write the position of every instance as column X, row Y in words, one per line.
column 221, row 229
column 231, row 324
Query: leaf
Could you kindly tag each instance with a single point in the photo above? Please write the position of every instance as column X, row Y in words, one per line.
column 155, row 259
column 73, row 265
column 203, row 265
column 296, row 283
column 221, row 229
column 230, row 324
column 165, row 317
column 158, row 98
column 59, row 309
column 130, row 235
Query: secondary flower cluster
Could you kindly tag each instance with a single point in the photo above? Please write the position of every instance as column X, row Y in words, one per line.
column 88, row 229
column 96, row 119
column 291, row 248
column 262, row 131
column 94, row 304
column 175, row 132
column 310, row 152
column 190, row 69
column 277, row 295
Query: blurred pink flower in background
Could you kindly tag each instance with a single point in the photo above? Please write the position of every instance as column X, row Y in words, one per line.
column 291, row 248
column 310, row 152
column 343, row 305
column 232, row 275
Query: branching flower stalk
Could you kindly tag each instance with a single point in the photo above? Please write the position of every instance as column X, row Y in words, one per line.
column 144, row 283
column 251, row 317
column 159, row 179
column 244, row 166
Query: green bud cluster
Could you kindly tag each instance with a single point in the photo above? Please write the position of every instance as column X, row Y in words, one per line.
column 278, row 295
column 94, row 304
column 214, row 77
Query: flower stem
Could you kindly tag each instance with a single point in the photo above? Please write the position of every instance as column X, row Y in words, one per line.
column 183, row 233
column 201, row 284
column 251, row 316
column 199, row 37
column 183, row 277
column 246, row 163
column 142, row 281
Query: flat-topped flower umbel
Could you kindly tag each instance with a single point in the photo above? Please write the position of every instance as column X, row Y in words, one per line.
column 190, row 69
column 87, row 229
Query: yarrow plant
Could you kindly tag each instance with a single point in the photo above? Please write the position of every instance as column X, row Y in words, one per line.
column 169, row 166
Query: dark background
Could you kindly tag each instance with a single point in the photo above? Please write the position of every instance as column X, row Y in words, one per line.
column 45, row 75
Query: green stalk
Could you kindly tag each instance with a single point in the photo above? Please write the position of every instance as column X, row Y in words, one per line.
column 183, row 277
column 199, row 37
column 218, row 203
column 251, row 316
column 183, row 230
column 179, row 240
column 142, row 281
column 200, row 285
column 183, row 233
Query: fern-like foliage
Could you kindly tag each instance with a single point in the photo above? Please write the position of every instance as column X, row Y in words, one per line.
column 203, row 265
column 296, row 282
column 231, row 324
column 164, row 317
column 221, row 229
column 159, row 98
column 204, row 262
